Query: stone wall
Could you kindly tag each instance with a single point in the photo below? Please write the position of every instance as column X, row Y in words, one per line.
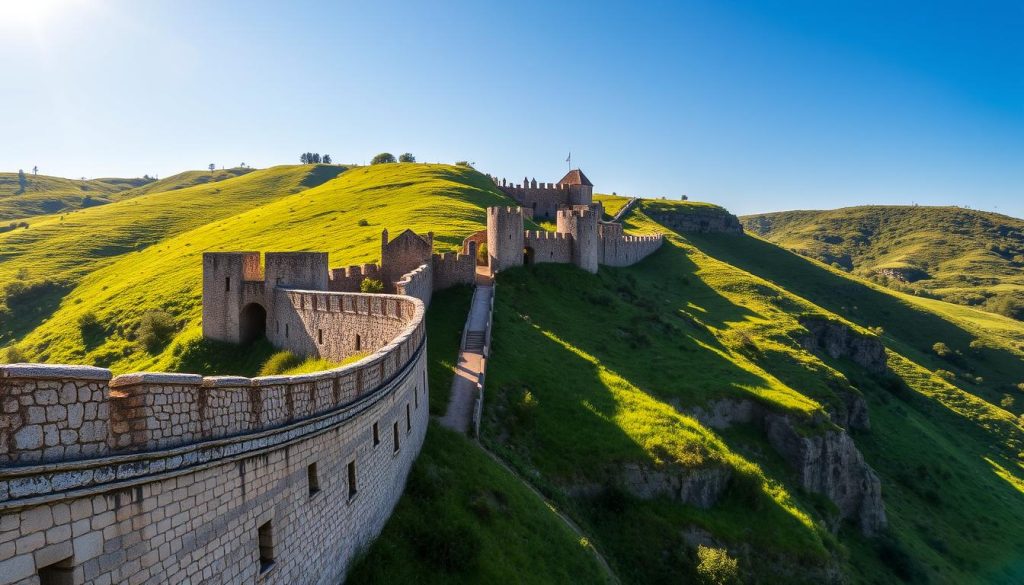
column 419, row 283
column 617, row 249
column 543, row 199
column 402, row 255
column 348, row 279
column 548, row 247
column 168, row 478
column 451, row 268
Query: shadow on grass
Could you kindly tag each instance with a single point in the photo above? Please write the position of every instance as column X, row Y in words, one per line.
column 908, row 329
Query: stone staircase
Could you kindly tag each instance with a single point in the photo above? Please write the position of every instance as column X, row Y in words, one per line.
column 475, row 341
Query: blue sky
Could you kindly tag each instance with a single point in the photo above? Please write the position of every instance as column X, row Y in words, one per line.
column 755, row 106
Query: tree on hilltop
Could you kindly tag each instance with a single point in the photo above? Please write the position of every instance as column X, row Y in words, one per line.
column 407, row 157
column 383, row 158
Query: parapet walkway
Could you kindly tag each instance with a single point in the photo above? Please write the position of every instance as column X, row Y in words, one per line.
column 468, row 381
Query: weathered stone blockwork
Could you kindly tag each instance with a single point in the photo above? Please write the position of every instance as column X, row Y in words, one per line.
column 187, row 469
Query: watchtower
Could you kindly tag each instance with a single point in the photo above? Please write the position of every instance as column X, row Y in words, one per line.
column 581, row 190
column 504, row 237
column 224, row 277
column 580, row 222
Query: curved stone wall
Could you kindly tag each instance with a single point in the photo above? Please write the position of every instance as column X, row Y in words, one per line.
column 157, row 478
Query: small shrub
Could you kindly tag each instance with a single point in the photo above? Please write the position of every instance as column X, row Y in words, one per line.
column 371, row 285
column 156, row 330
column 14, row 355
column 281, row 361
column 716, row 567
column 363, row 223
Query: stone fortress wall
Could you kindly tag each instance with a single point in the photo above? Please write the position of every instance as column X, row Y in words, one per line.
column 156, row 478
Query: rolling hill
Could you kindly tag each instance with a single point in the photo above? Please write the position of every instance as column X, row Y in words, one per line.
column 958, row 255
column 725, row 410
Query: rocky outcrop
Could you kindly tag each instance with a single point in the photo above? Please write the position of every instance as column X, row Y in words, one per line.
column 826, row 463
column 701, row 487
column 907, row 275
column 838, row 340
column 830, row 464
column 710, row 220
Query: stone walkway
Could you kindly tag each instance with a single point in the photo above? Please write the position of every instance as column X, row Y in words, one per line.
column 459, row 414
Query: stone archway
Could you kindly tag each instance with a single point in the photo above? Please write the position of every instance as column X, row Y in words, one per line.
column 252, row 323
column 527, row 256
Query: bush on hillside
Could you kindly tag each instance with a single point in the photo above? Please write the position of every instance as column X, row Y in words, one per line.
column 14, row 355
column 280, row 362
column 383, row 158
column 406, row 157
column 371, row 285
column 156, row 330
column 716, row 567
column 1007, row 306
column 942, row 350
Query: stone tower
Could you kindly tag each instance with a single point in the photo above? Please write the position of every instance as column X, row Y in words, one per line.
column 224, row 276
column 504, row 237
column 581, row 190
column 581, row 223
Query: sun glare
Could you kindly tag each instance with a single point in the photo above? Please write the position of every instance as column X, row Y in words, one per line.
column 32, row 14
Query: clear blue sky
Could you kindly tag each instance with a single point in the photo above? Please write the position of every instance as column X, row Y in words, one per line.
column 756, row 106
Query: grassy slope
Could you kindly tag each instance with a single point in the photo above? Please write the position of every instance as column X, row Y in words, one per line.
column 715, row 316
column 44, row 195
column 970, row 257
column 464, row 519
column 67, row 248
column 167, row 275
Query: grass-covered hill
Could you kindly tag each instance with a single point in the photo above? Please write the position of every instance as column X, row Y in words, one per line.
column 44, row 195
column 590, row 382
column 41, row 195
column 963, row 256
column 599, row 387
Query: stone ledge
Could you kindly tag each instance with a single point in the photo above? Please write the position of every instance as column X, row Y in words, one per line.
column 54, row 372
column 137, row 378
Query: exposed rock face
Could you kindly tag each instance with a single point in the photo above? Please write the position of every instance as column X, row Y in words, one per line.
column 827, row 463
column 838, row 340
column 710, row 221
column 830, row 464
column 904, row 274
column 697, row 487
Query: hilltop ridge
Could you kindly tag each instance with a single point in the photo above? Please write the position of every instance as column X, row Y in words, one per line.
column 959, row 255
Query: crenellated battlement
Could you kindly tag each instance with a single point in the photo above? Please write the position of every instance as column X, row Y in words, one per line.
column 61, row 413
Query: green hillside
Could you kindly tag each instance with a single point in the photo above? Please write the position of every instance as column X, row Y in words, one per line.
column 716, row 317
column 44, row 263
column 958, row 255
column 149, row 256
column 43, row 195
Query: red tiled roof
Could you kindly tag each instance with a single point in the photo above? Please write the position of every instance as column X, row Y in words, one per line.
column 575, row 177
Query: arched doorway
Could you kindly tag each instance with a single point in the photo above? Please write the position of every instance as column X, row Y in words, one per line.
column 527, row 256
column 252, row 323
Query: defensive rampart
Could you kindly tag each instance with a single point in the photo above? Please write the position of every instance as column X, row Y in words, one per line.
column 172, row 478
